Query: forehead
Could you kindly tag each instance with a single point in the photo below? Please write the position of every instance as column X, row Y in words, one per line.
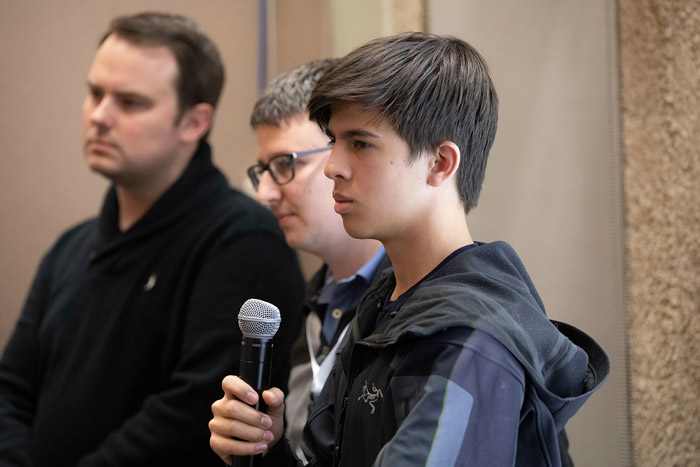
column 128, row 67
column 351, row 120
column 348, row 116
column 293, row 135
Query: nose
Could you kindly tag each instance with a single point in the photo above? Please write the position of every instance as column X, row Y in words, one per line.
column 336, row 166
column 99, row 112
column 269, row 192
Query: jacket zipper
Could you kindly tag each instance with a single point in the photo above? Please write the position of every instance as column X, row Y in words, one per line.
column 349, row 377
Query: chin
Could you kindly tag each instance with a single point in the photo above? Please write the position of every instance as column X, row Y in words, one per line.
column 100, row 170
column 293, row 241
column 356, row 231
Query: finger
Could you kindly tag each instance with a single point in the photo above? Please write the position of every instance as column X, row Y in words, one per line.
column 274, row 398
column 235, row 387
column 233, row 409
column 226, row 447
column 233, row 428
column 220, row 450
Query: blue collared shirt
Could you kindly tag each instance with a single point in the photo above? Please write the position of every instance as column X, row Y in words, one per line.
column 345, row 295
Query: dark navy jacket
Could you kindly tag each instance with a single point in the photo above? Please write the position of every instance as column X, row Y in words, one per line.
column 469, row 372
column 298, row 400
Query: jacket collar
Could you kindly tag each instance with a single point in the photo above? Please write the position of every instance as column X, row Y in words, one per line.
column 487, row 289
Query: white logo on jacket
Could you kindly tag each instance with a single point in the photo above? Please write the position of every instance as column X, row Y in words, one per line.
column 371, row 397
column 151, row 282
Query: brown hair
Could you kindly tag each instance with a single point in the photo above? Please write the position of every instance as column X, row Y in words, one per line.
column 430, row 88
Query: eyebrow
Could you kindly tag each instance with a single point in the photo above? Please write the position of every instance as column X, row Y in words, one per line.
column 354, row 133
column 120, row 94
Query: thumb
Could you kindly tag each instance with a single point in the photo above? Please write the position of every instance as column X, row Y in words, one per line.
column 274, row 398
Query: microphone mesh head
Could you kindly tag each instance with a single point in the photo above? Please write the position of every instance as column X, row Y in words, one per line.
column 259, row 319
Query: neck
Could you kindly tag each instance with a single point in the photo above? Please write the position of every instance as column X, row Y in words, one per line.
column 137, row 196
column 133, row 204
column 417, row 251
column 346, row 259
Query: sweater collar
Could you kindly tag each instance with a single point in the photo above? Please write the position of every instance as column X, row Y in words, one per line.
column 199, row 180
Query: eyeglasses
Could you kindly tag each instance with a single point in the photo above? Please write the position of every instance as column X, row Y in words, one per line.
column 281, row 167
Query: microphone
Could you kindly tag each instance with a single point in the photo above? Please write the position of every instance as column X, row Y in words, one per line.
column 259, row 321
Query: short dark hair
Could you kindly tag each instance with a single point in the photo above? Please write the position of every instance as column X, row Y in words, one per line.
column 430, row 88
column 200, row 75
column 288, row 94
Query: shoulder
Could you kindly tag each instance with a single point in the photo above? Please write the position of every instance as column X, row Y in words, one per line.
column 70, row 250
column 464, row 347
column 315, row 284
column 80, row 237
column 232, row 213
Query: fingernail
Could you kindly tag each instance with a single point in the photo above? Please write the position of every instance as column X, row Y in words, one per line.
column 265, row 421
column 268, row 436
column 250, row 397
column 261, row 447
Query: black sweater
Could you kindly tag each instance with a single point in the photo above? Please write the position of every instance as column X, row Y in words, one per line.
column 125, row 336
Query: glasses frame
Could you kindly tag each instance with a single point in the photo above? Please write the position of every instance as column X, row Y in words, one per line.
column 256, row 171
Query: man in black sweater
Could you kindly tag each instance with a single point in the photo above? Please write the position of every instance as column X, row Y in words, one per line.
column 130, row 323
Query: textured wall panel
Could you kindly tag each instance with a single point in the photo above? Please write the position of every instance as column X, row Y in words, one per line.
column 660, row 56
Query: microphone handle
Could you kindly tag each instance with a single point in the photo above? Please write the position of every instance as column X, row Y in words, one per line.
column 257, row 375
column 256, row 358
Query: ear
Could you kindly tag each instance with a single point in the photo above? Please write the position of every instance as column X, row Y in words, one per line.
column 444, row 163
column 195, row 122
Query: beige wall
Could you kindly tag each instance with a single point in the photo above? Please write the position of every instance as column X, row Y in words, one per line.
column 47, row 49
column 298, row 31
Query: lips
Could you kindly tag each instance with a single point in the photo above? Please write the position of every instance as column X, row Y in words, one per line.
column 99, row 145
column 283, row 218
column 342, row 204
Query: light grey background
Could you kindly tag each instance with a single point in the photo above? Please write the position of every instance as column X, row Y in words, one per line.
column 553, row 184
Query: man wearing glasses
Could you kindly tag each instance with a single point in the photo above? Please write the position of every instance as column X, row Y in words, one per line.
column 289, row 179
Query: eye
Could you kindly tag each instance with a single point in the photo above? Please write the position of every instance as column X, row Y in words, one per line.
column 129, row 103
column 95, row 94
column 331, row 142
column 357, row 144
column 281, row 164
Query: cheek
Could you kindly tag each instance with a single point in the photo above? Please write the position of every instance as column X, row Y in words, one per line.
column 321, row 194
column 147, row 134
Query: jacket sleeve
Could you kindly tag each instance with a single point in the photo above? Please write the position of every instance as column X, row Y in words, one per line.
column 281, row 455
column 318, row 436
column 20, row 376
column 172, row 426
column 467, row 409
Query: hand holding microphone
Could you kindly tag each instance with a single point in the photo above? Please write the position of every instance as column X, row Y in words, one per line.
column 239, row 431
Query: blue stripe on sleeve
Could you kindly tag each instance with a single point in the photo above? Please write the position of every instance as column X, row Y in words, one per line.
column 451, row 427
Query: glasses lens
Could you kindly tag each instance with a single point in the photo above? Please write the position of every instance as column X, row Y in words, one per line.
column 254, row 173
column 282, row 168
